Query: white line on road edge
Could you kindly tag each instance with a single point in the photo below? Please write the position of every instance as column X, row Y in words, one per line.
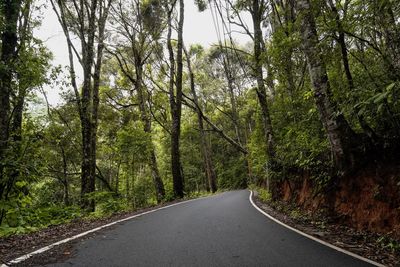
column 29, row 255
column 312, row 237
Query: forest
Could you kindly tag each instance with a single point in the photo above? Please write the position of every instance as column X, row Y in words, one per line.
column 146, row 118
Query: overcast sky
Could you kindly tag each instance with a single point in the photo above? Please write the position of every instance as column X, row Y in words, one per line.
column 198, row 28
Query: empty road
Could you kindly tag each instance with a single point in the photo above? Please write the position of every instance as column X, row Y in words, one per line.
column 222, row 230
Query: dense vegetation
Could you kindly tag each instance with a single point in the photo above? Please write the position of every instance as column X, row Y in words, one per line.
column 153, row 119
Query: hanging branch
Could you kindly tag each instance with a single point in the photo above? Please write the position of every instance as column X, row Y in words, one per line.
column 216, row 129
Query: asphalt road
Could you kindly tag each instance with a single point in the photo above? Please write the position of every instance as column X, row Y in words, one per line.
column 223, row 230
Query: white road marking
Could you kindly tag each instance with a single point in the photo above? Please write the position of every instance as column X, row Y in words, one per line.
column 46, row 248
column 312, row 237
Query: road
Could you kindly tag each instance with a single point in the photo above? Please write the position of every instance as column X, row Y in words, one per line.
column 222, row 230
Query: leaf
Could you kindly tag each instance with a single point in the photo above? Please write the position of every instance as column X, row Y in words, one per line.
column 380, row 97
column 361, row 111
column 380, row 108
column 21, row 184
column 390, row 87
column 359, row 105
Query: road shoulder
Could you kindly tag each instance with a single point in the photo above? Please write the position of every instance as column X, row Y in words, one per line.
column 344, row 238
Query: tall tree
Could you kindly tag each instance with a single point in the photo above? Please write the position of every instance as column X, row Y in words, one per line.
column 175, row 97
column 341, row 137
column 257, row 11
column 24, row 66
column 227, row 58
column 205, row 147
column 340, row 38
column 141, row 28
column 10, row 11
column 86, row 19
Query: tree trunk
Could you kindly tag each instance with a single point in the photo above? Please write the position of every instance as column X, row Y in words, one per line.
column 88, row 166
column 205, row 148
column 16, row 125
column 87, row 173
column 235, row 114
column 176, row 102
column 89, row 26
column 392, row 37
column 15, row 139
column 158, row 183
column 232, row 99
column 9, row 39
column 65, row 182
column 117, row 177
column 256, row 14
column 145, row 117
column 343, row 48
column 349, row 77
column 341, row 137
column 207, row 156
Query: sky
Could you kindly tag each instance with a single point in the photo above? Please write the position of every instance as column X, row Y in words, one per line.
column 198, row 29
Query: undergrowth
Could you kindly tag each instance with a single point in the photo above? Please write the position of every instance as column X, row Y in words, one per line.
column 26, row 219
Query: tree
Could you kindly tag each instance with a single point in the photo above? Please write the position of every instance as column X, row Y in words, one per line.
column 229, row 61
column 341, row 137
column 257, row 12
column 61, row 141
column 9, row 39
column 205, row 147
column 86, row 19
column 24, row 67
column 175, row 97
column 140, row 27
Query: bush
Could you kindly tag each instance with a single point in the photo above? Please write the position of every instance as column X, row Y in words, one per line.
column 23, row 220
column 107, row 202
column 264, row 195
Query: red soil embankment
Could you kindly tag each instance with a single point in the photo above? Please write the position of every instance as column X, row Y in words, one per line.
column 369, row 200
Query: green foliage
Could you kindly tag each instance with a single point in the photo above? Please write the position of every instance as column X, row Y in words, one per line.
column 152, row 16
column 232, row 173
column 107, row 203
column 169, row 191
column 264, row 195
column 25, row 219
column 384, row 105
column 389, row 243
column 134, row 142
column 192, row 161
column 258, row 155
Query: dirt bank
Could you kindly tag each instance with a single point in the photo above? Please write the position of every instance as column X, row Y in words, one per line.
column 368, row 200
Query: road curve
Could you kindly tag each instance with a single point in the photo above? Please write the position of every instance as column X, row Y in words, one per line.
column 222, row 230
